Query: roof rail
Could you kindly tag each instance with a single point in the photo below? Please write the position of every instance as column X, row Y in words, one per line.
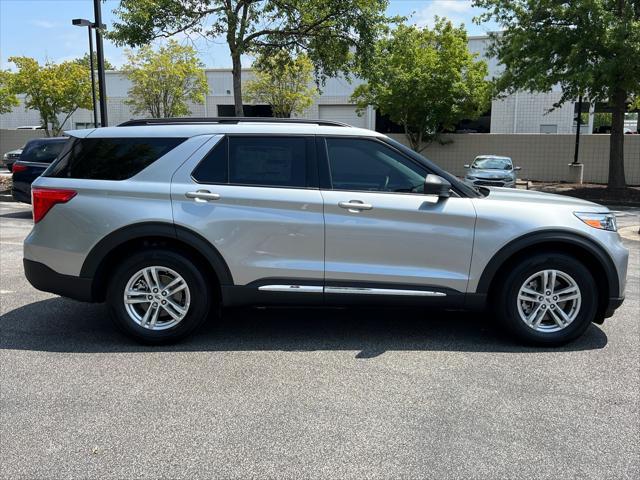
column 227, row 120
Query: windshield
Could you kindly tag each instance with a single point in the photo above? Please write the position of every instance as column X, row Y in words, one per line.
column 492, row 163
column 43, row 152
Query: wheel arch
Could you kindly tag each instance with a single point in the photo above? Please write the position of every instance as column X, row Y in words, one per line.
column 586, row 250
column 102, row 258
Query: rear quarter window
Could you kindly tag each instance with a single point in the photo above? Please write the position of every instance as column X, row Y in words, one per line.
column 110, row 158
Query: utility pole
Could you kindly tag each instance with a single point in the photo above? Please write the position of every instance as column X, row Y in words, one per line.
column 578, row 121
column 100, row 55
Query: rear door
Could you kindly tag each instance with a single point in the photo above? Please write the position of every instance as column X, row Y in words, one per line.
column 256, row 199
column 382, row 233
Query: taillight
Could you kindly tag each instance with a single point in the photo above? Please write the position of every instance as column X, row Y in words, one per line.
column 43, row 200
column 18, row 167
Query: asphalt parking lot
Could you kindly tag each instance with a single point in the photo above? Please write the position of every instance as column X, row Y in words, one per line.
column 309, row 393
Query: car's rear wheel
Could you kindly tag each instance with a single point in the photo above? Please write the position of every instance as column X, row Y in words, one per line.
column 548, row 299
column 158, row 296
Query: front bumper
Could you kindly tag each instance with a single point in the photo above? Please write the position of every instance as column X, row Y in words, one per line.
column 45, row 279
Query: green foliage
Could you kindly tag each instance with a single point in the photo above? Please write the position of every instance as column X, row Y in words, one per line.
column 336, row 35
column 601, row 119
column 165, row 80
column 8, row 98
column 425, row 80
column 282, row 82
column 84, row 61
column 52, row 89
column 587, row 47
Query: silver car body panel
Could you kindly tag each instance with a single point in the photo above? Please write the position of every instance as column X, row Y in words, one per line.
column 403, row 238
column 508, row 214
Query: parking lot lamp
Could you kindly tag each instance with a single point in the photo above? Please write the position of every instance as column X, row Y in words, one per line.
column 81, row 22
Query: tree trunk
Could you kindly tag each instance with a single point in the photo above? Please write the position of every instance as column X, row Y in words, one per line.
column 237, row 82
column 616, row 142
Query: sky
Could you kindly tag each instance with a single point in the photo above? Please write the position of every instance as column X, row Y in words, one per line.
column 42, row 28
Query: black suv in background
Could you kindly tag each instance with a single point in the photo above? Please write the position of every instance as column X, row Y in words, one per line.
column 36, row 156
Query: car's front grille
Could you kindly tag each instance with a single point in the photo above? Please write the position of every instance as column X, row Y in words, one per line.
column 490, row 183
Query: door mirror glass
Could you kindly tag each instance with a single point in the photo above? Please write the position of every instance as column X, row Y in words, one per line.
column 466, row 165
column 436, row 185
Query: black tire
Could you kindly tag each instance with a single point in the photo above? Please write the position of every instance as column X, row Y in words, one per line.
column 506, row 298
column 201, row 300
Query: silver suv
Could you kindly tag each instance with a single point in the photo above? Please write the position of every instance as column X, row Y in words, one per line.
column 168, row 220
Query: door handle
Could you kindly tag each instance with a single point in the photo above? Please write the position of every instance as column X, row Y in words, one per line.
column 202, row 196
column 355, row 206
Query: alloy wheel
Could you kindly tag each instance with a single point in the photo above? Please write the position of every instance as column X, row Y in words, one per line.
column 157, row 298
column 549, row 301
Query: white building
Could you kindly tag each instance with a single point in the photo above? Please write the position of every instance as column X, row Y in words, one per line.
column 519, row 113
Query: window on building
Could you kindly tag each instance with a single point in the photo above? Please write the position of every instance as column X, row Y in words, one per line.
column 549, row 128
column 249, row 111
column 584, row 115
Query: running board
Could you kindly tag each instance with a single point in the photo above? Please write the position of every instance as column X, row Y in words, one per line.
column 350, row 290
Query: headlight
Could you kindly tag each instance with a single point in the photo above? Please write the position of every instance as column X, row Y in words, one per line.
column 4, row 157
column 601, row 221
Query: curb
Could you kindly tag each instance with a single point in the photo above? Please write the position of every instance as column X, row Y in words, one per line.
column 630, row 233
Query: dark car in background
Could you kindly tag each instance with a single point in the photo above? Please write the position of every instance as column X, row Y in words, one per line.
column 36, row 156
column 9, row 158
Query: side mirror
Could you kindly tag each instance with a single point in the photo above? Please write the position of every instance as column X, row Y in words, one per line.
column 436, row 185
column 517, row 168
column 466, row 166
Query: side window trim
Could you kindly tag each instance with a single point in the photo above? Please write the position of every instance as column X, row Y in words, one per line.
column 326, row 168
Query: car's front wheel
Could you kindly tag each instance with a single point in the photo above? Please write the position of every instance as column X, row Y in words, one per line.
column 158, row 296
column 547, row 299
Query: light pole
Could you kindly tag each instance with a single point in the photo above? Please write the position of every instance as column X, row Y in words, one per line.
column 81, row 22
column 98, row 25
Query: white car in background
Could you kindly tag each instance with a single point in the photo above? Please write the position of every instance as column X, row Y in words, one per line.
column 491, row 171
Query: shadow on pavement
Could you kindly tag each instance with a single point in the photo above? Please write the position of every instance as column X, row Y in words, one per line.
column 62, row 325
column 22, row 214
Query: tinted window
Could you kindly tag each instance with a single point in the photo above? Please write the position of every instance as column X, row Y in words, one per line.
column 110, row 158
column 358, row 164
column 42, row 151
column 269, row 160
column 214, row 168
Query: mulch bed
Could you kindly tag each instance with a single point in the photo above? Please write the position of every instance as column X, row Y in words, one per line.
column 593, row 192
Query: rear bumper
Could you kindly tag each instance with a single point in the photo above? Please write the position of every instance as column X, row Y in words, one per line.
column 47, row 280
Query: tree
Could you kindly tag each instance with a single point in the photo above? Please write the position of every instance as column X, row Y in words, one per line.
column 52, row 89
column 8, row 98
column 84, row 61
column 335, row 34
column 282, row 82
column 425, row 80
column 164, row 81
column 591, row 48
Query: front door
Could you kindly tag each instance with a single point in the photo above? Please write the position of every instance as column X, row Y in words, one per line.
column 380, row 231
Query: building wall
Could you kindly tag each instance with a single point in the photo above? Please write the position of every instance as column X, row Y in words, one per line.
column 542, row 157
column 12, row 139
column 522, row 112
